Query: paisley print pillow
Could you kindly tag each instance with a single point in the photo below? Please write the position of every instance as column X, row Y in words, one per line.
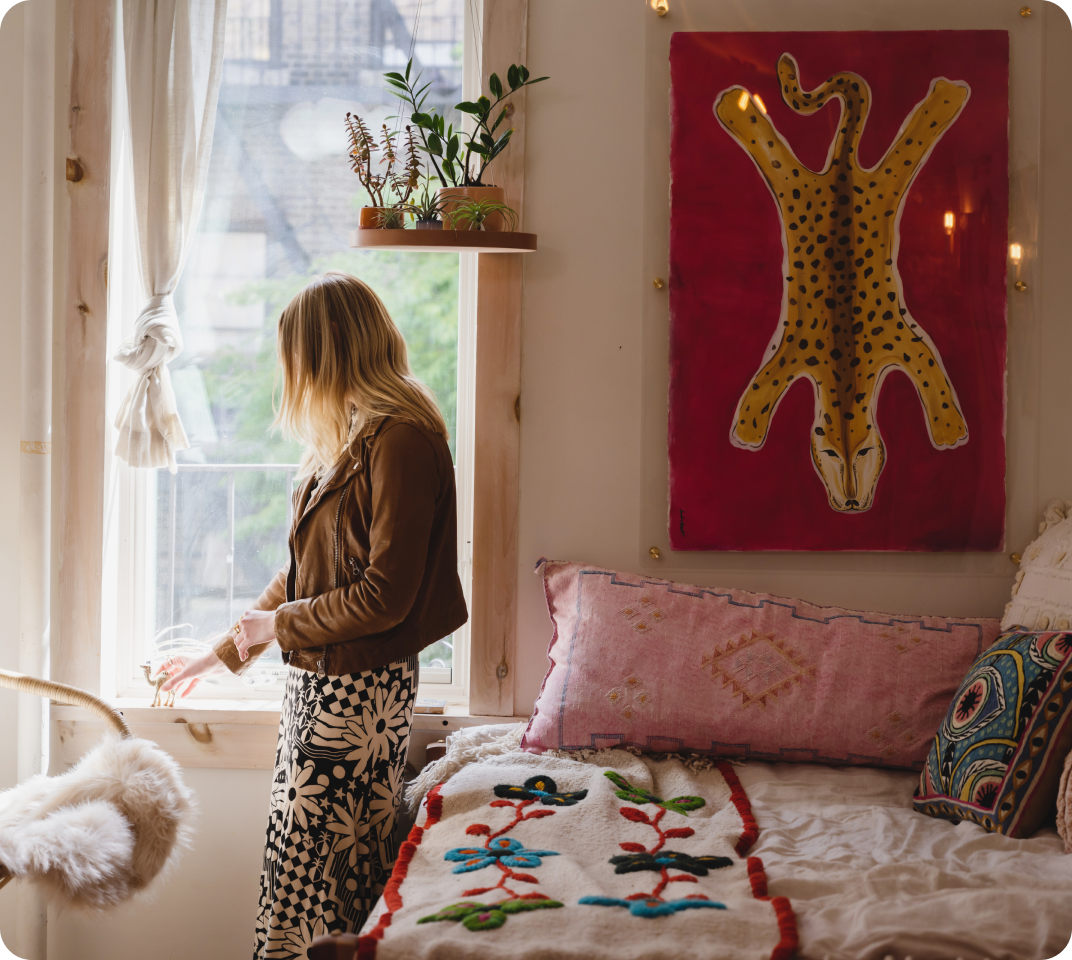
column 997, row 758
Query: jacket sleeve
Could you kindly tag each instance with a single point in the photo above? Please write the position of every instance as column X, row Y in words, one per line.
column 405, row 483
column 274, row 594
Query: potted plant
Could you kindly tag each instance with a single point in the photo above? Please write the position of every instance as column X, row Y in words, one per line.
column 480, row 213
column 461, row 159
column 427, row 208
column 396, row 175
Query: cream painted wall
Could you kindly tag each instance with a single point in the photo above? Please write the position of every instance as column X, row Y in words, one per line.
column 10, row 318
column 583, row 361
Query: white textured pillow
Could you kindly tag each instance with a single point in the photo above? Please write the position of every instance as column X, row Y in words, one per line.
column 1042, row 593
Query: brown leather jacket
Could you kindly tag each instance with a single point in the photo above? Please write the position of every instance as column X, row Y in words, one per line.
column 373, row 570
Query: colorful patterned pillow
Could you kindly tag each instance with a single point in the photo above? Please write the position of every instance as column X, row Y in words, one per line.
column 666, row 667
column 997, row 758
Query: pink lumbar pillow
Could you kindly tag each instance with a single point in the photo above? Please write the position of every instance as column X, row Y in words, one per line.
column 669, row 667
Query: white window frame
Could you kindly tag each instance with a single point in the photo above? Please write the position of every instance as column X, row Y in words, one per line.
column 129, row 561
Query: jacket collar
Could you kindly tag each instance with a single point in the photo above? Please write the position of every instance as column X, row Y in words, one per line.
column 344, row 468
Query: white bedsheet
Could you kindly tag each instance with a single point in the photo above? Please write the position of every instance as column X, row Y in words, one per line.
column 868, row 877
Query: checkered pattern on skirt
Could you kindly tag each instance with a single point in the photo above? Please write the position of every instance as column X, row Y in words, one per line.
column 338, row 780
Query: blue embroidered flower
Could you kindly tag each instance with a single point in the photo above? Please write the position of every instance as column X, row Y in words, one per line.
column 510, row 853
column 540, row 788
column 697, row 866
column 651, row 907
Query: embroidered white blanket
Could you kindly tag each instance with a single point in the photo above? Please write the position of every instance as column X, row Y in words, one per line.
column 528, row 857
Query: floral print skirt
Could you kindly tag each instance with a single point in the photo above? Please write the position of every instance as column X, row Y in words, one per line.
column 338, row 781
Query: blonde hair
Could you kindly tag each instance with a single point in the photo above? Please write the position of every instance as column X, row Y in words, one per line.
column 344, row 362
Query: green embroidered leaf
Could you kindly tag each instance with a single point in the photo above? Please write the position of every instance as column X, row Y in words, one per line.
column 455, row 912
column 519, row 906
column 490, row 919
column 683, row 804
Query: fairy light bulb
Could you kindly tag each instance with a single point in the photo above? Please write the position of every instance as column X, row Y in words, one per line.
column 742, row 100
column 949, row 220
column 759, row 102
column 1016, row 253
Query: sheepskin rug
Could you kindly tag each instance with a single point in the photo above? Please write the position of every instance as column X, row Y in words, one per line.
column 96, row 835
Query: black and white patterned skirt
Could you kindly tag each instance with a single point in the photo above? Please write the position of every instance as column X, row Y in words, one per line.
column 339, row 767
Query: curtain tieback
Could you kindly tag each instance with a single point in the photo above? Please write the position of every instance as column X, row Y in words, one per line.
column 150, row 430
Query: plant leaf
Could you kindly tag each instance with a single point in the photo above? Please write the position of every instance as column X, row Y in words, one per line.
column 529, row 83
column 393, row 75
column 487, row 140
column 523, row 72
column 467, row 106
column 495, row 86
column 452, row 148
column 409, row 66
column 632, row 813
column 478, row 149
column 633, row 847
column 435, row 145
column 513, row 76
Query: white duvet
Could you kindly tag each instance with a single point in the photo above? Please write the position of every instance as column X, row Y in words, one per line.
column 869, row 878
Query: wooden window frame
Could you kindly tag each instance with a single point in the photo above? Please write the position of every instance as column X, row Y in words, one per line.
column 80, row 363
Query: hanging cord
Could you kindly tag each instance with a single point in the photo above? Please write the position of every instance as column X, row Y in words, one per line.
column 61, row 693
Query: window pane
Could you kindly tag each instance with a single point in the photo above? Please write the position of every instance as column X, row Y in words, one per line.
column 279, row 204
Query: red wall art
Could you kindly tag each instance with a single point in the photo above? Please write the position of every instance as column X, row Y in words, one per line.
column 838, row 245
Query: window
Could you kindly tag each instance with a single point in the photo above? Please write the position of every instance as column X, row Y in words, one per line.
column 187, row 553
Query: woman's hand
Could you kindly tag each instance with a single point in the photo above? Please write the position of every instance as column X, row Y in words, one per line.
column 255, row 627
column 185, row 673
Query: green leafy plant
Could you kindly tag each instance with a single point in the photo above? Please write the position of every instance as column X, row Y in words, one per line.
column 427, row 206
column 402, row 172
column 475, row 213
column 457, row 156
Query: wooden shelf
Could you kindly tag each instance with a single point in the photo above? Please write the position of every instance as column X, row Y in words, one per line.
column 443, row 241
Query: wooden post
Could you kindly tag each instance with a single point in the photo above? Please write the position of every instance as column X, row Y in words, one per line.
column 78, row 441
column 497, row 418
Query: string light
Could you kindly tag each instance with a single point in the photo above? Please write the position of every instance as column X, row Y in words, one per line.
column 742, row 100
column 950, row 220
column 759, row 103
column 1016, row 253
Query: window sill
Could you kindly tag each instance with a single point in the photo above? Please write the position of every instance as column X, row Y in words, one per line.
column 227, row 734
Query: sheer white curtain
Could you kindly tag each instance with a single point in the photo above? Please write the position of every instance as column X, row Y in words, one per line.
column 174, row 57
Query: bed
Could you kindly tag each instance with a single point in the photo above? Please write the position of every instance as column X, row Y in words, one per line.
column 866, row 876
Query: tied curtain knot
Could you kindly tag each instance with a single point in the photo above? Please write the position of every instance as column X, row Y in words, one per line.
column 150, row 430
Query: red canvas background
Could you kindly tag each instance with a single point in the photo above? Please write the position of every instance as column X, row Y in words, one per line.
column 726, row 292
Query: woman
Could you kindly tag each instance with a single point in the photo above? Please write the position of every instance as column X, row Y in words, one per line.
column 372, row 579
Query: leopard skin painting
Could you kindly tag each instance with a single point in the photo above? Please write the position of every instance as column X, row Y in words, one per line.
column 844, row 323
column 881, row 254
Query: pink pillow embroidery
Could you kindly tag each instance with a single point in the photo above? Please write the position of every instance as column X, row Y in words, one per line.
column 667, row 667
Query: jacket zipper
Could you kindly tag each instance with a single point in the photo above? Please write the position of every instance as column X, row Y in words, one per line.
column 321, row 664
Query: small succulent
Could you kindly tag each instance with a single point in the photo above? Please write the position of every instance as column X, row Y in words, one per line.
column 475, row 213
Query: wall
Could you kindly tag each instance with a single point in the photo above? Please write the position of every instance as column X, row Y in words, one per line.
column 11, row 41
column 582, row 453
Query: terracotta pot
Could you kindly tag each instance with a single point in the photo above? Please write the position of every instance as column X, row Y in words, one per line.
column 495, row 223
column 371, row 217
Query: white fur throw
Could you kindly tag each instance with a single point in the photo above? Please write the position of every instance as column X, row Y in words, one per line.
column 94, row 836
column 1042, row 592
